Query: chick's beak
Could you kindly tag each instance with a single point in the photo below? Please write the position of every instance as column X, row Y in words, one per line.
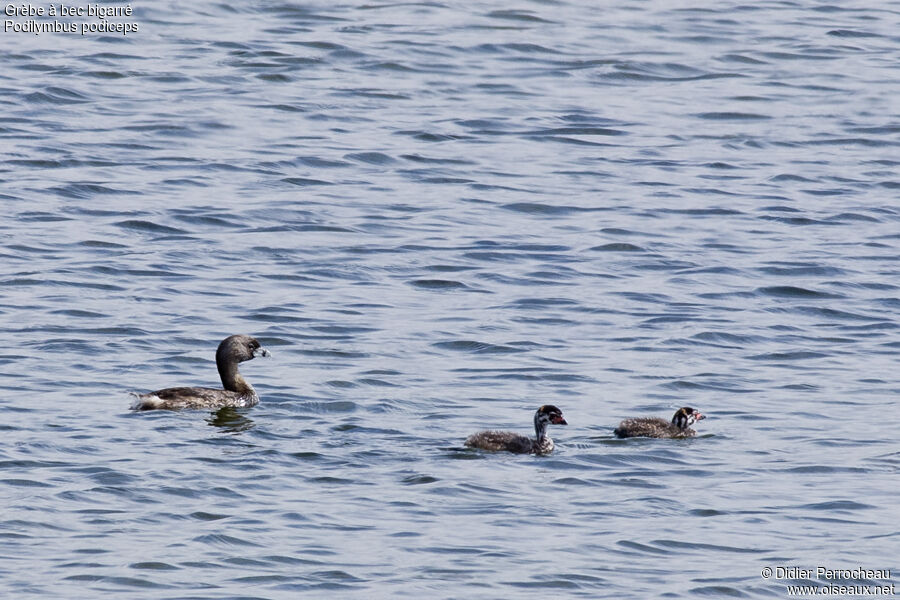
column 559, row 420
column 699, row 416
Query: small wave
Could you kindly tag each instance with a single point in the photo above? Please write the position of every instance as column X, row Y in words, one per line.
column 708, row 547
column 718, row 591
column 617, row 247
column 372, row 158
column 440, row 161
column 849, row 216
column 536, row 208
column 337, row 406
column 305, row 181
column 788, row 356
column 837, row 505
column 802, row 270
column 438, row 284
column 710, row 211
column 789, row 291
column 148, row 227
column 852, row 33
column 517, row 15
column 833, row 313
column 77, row 313
column 84, row 191
column 419, row 480
column 221, row 539
column 428, row 136
column 643, row 548
column 602, row 131
column 727, row 338
column 539, row 303
column 476, row 347
column 742, row 59
column 106, row 74
column 791, row 177
column 56, row 95
column 25, row 483
column 731, row 116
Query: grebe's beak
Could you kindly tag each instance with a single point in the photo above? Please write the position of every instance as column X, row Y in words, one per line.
column 261, row 352
column 558, row 420
column 699, row 416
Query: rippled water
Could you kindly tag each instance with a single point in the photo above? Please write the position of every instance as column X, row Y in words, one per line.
column 438, row 217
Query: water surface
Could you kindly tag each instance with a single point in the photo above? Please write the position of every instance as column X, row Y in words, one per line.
column 438, row 217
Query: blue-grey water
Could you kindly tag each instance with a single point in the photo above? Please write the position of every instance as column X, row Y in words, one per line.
column 438, row 216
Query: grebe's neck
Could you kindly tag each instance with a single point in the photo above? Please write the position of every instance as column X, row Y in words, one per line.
column 232, row 380
column 540, row 428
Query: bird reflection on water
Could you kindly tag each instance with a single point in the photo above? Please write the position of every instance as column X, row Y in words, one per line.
column 230, row 420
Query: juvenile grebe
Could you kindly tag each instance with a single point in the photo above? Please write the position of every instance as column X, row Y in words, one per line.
column 513, row 442
column 237, row 393
column 679, row 427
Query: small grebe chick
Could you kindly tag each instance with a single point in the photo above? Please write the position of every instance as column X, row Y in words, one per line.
column 653, row 427
column 520, row 444
column 237, row 393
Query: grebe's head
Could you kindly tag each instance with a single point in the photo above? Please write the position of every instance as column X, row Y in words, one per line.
column 240, row 348
column 685, row 417
column 549, row 414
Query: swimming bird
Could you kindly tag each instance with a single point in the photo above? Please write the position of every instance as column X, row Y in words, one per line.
column 679, row 427
column 520, row 444
column 237, row 393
